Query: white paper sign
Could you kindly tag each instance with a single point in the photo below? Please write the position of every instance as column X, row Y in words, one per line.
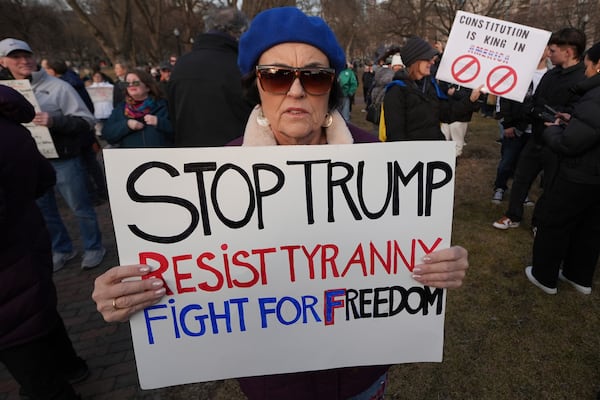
column 40, row 134
column 283, row 259
column 100, row 93
column 498, row 54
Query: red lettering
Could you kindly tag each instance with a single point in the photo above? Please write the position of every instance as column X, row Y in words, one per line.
column 358, row 257
column 226, row 265
column 432, row 249
column 329, row 259
column 290, row 250
column 263, row 266
column 310, row 258
column 387, row 263
column 163, row 265
column 204, row 285
column 398, row 252
column 239, row 263
column 180, row 276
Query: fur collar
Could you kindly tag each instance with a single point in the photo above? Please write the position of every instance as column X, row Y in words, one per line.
column 256, row 135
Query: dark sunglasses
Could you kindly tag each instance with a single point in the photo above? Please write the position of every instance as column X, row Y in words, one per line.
column 278, row 80
column 133, row 83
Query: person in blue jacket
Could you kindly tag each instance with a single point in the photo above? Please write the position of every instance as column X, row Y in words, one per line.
column 142, row 119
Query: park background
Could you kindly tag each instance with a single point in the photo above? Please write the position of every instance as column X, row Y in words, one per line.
column 143, row 33
column 505, row 339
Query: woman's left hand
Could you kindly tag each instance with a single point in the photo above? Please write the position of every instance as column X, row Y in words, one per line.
column 444, row 268
column 150, row 119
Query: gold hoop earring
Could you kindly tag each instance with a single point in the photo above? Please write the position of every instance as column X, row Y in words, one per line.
column 261, row 120
column 328, row 121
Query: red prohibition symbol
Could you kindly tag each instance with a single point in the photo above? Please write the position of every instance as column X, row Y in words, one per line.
column 501, row 80
column 465, row 68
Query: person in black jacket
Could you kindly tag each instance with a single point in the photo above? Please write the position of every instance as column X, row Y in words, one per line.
column 34, row 345
column 206, row 105
column 515, row 124
column 414, row 105
column 567, row 243
column 554, row 90
column 96, row 181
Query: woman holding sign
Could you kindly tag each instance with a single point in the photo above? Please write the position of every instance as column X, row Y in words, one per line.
column 414, row 105
column 290, row 62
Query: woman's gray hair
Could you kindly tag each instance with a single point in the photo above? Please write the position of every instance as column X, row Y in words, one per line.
column 228, row 20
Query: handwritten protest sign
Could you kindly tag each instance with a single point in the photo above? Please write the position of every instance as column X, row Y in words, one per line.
column 40, row 134
column 498, row 54
column 283, row 259
column 100, row 93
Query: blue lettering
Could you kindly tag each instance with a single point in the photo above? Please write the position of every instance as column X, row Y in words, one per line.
column 331, row 303
column 148, row 319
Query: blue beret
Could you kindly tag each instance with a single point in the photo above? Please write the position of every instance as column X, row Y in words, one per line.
column 286, row 25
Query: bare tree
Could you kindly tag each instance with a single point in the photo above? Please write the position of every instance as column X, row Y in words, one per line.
column 110, row 24
column 143, row 30
column 251, row 8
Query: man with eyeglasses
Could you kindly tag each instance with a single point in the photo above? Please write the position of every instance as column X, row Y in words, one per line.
column 67, row 117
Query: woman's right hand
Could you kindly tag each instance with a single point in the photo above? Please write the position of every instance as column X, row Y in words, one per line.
column 118, row 300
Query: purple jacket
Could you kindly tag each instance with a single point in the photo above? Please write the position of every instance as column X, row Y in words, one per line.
column 27, row 293
column 332, row 384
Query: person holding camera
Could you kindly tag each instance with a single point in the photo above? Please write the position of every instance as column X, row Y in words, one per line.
column 567, row 243
column 555, row 89
column 142, row 119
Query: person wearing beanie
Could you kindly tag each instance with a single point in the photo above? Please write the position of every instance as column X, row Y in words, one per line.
column 413, row 104
column 567, row 242
column 397, row 63
column 290, row 62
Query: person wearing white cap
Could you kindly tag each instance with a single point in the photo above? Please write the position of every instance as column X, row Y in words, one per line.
column 397, row 63
column 67, row 119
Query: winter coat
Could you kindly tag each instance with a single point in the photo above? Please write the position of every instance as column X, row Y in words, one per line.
column 115, row 130
column 461, row 94
column 382, row 77
column 27, row 293
column 348, row 82
column 578, row 143
column 206, row 105
column 414, row 110
column 555, row 90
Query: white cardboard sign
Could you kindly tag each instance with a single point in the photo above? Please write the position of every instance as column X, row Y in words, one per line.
column 40, row 134
column 498, row 54
column 283, row 259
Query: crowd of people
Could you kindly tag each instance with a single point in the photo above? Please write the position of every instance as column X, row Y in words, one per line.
column 283, row 79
